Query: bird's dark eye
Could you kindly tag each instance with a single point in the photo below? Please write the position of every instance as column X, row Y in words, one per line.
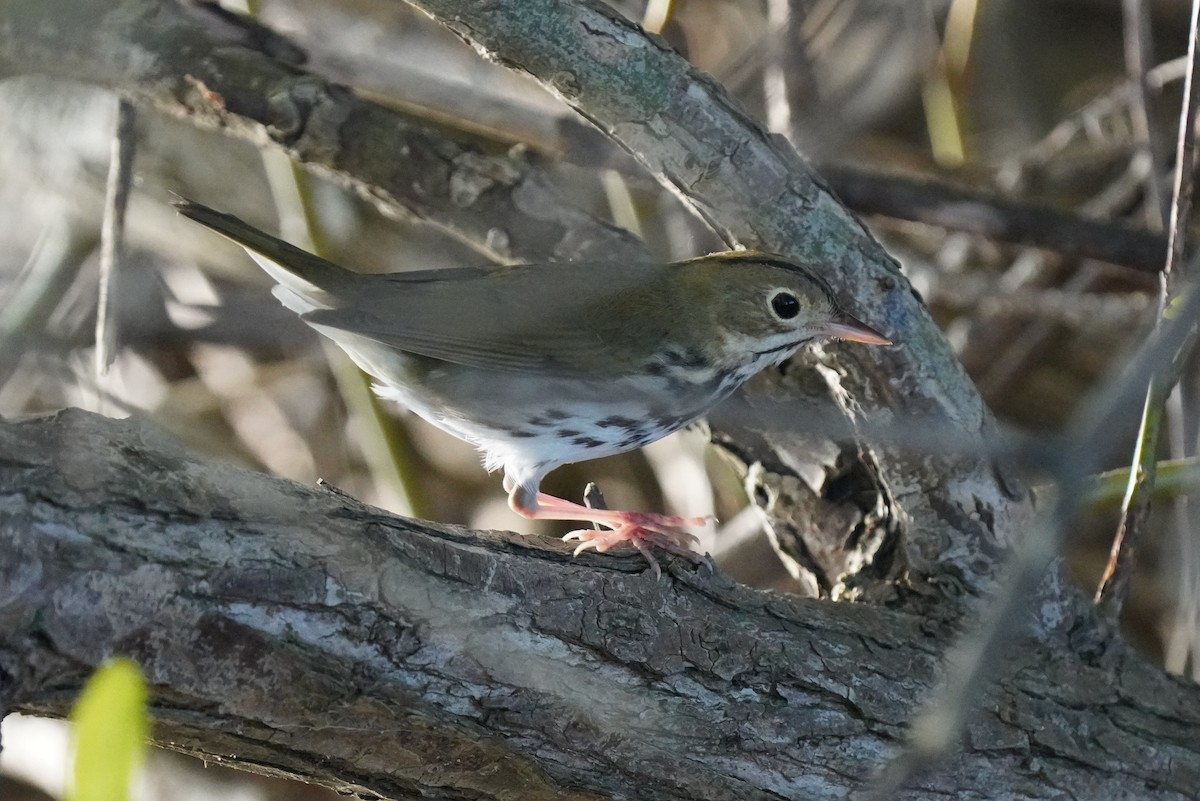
column 785, row 305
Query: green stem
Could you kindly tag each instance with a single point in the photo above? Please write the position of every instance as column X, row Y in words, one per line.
column 391, row 458
column 1172, row 477
column 1135, row 506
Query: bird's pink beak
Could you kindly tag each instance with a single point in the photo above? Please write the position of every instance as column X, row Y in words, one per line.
column 854, row 330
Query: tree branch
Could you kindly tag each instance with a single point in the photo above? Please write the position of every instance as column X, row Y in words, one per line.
column 994, row 216
column 866, row 188
column 224, row 71
column 314, row 636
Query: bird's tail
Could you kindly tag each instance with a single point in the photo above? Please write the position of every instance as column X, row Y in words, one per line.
column 305, row 280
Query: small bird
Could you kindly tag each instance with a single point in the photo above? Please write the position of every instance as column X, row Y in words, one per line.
column 540, row 365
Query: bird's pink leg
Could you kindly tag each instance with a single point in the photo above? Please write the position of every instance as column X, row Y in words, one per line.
column 639, row 529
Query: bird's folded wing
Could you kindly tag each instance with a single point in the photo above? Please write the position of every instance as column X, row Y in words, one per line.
column 536, row 319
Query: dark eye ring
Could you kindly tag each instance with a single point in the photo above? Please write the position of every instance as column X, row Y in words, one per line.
column 785, row 305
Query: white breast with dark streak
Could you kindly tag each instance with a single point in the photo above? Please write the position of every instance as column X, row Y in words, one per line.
column 568, row 420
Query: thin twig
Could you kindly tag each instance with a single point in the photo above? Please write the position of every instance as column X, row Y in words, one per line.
column 1012, row 176
column 1138, row 59
column 593, row 498
column 391, row 460
column 1182, row 406
column 1135, row 508
column 1135, row 512
column 1181, row 634
column 112, row 233
column 788, row 82
column 1185, row 157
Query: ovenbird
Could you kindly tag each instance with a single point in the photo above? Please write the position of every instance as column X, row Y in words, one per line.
column 540, row 365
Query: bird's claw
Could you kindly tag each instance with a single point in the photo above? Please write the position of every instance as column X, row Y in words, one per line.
column 642, row 531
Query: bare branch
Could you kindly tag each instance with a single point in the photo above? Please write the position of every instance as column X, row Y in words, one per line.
column 1135, row 510
column 988, row 214
column 112, row 235
column 222, row 70
column 1139, row 58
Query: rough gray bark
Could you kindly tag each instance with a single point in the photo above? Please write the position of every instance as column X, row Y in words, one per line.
column 751, row 186
column 307, row 634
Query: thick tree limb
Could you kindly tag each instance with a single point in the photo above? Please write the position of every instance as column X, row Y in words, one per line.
column 308, row 635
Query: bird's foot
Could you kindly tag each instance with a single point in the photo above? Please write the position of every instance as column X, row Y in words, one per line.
column 643, row 530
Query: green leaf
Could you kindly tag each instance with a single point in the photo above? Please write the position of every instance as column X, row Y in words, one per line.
column 1173, row 306
column 111, row 726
